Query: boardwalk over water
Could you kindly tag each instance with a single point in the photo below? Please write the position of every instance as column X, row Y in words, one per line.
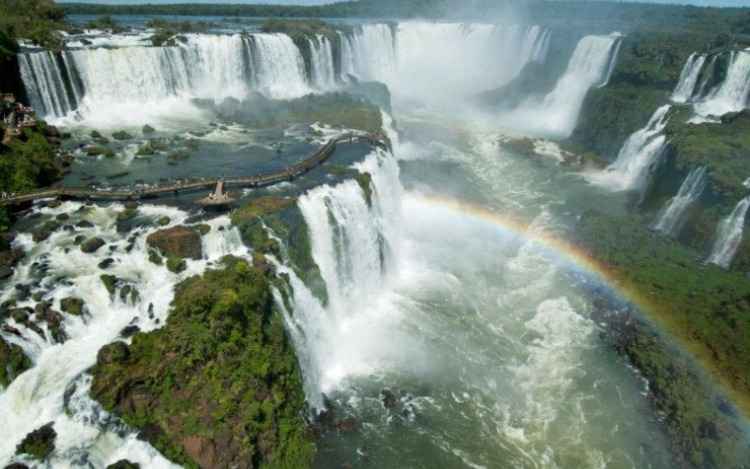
column 252, row 181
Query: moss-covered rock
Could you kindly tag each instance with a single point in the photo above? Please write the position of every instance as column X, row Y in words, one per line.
column 122, row 135
column 12, row 361
column 39, row 443
column 218, row 385
column 179, row 242
column 365, row 182
column 72, row 305
column 92, row 245
column 176, row 265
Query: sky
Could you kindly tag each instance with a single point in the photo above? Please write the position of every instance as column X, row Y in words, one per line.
column 714, row 3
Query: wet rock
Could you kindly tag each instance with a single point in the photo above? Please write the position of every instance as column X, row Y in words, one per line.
column 163, row 221
column 131, row 205
column 112, row 353
column 5, row 272
column 62, row 216
column 39, row 443
column 84, row 224
column 106, row 263
column 24, row 290
column 12, row 362
column 92, row 245
column 389, row 399
column 54, row 203
column 347, row 425
column 179, row 242
column 129, row 331
column 78, row 240
column 124, row 464
column 72, row 305
column 147, row 129
column 40, row 235
column 122, row 135
column 110, row 283
column 16, row 465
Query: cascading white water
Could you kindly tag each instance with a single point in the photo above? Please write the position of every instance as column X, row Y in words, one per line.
column 630, row 171
column 137, row 79
column 701, row 92
column 612, row 63
column 369, row 53
column 688, row 78
column 729, row 235
column 441, row 62
column 671, row 218
column 44, row 83
column 556, row 114
column 355, row 245
column 321, row 58
column 57, row 268
column 732, row 94
column 280, row 70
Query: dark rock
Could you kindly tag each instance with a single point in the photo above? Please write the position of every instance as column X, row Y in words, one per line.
column 112, row 353
column 40, row 235
column 5, row 272
column 129, row 331
column 347, row 425
column 72, row 305
column 389, row 399
column 54, row 203
column 84, row 224
column 78, row 240
column 124, row 464
column 16, row 465
column 147, row 129
column 39, row 443
column 92, row 245
column 106, row 263
column 62, row 216
column 12, row 360
column 179, row 242
column 130, row 205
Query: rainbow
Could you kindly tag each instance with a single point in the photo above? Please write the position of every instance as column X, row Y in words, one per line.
column 567, row 254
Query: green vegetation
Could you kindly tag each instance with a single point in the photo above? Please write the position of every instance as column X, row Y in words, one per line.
column 39, row 443
column 365, row 183
column 335, row 109
column 302, row 29
column 12, row 362
column 703, row 308
column 26, row 163
column 37, row 20
column 221, row 373
column 72, row 305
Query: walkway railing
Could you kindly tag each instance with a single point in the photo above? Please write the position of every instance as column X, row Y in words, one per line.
column 252, row 181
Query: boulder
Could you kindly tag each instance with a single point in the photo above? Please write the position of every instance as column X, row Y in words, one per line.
column 178, row 242
column 72, row 305
column 5, row 272
column 40, row 235
column 112, row 353
column 12, row 362
column 39, row 443
column 84, row 224
column 106, row 263
column 92, row 245
column 124, row 464
column 389, row 399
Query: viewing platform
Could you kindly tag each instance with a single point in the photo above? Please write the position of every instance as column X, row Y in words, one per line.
column 287, row 174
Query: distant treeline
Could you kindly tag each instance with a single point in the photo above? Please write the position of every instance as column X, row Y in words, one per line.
column 629, row 16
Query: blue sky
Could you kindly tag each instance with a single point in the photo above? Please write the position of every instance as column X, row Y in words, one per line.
column 714, row 3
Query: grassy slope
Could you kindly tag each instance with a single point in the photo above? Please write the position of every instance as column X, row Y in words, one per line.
column 222, row 365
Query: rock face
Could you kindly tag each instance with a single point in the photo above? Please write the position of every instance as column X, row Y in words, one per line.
column 12, row 362
column 92, row 245
column 235, row 395
column 39, row 443
column 179, row 242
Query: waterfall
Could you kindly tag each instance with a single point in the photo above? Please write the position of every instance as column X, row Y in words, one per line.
column 707, row 75
column 55, row 389
column 556, row 114
column 612, row 63
column 137, row 78
column 321, row 58
column 440, row 62
column 729, row 235
column 355, row 245
column 671, row 217
column 732, row 94
column 280, row 70
column 688, row 78
column 637, row 156
column 369, row 53
column 44, row 83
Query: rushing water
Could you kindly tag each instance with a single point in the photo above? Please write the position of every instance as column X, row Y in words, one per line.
column 483, row 335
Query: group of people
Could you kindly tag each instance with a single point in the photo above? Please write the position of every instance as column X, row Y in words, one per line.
column 16, row 116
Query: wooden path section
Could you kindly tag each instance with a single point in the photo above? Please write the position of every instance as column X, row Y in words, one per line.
column 286, row 174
